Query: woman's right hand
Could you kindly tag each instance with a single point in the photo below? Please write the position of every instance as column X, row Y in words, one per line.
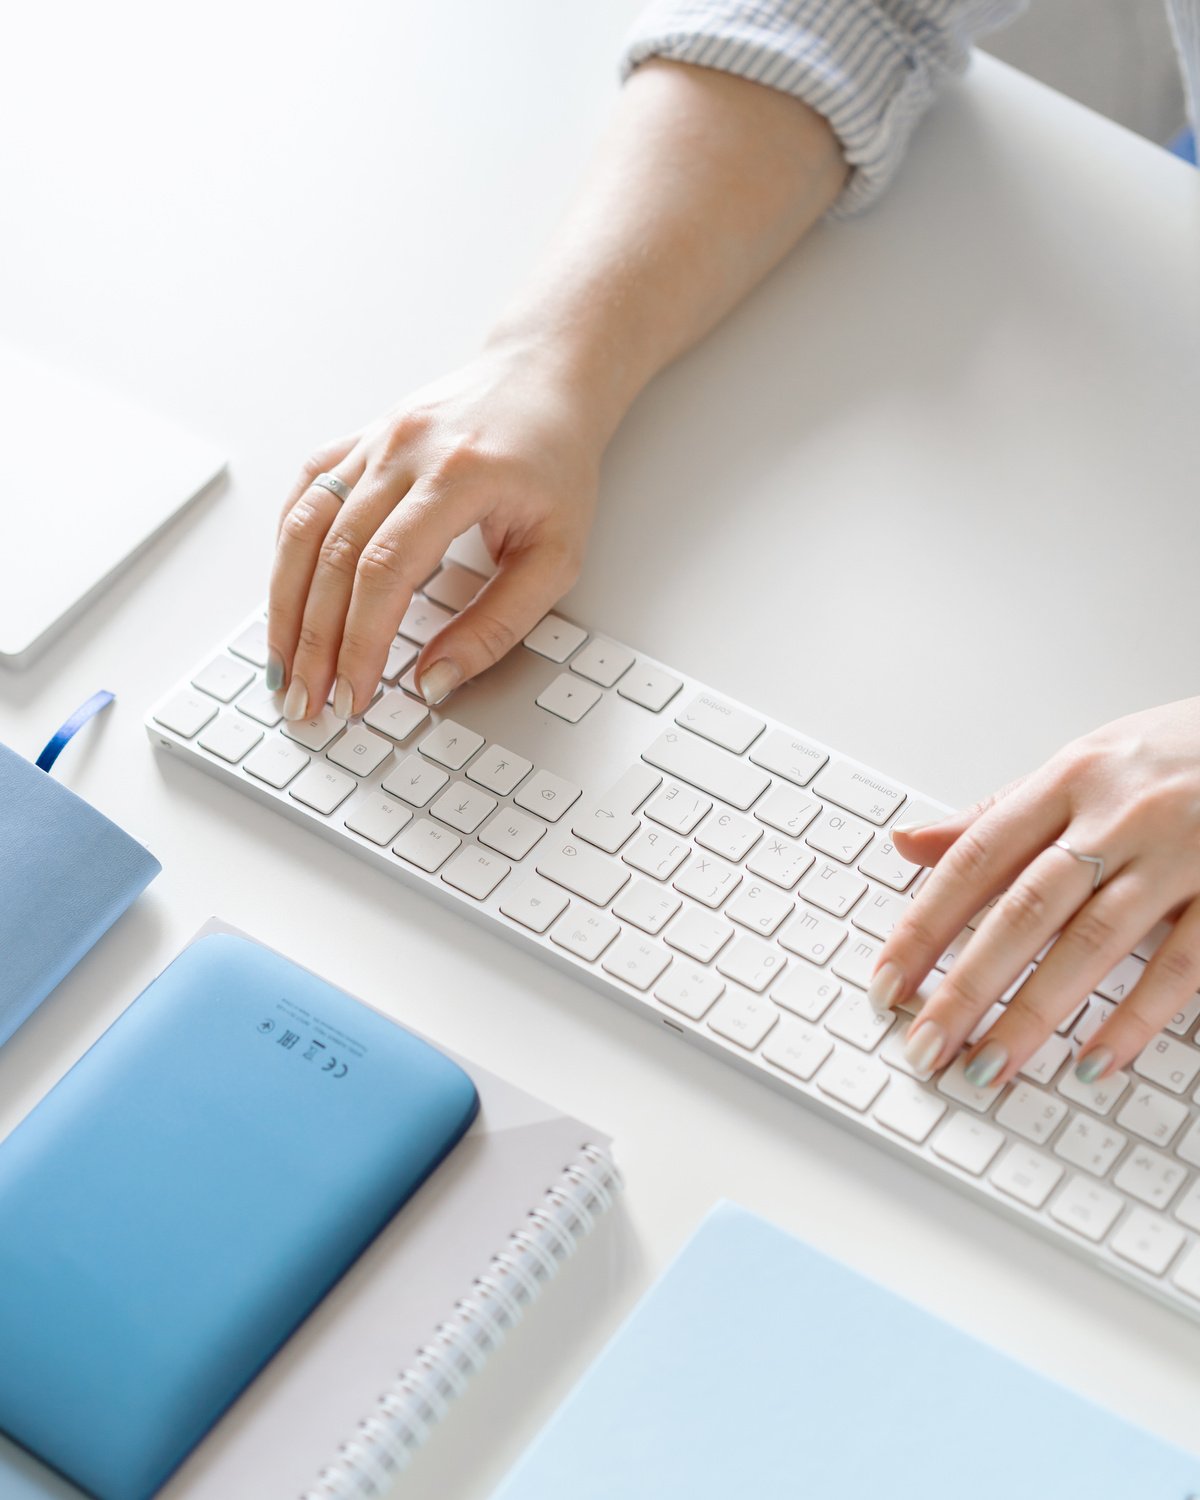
column 504, row 442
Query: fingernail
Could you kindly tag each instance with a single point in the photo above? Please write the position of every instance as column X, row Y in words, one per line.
column 1089, row 1068
column 884, row 989
column 274, row 671
column 985, row 1065
column 916, row 826
column 923, row 1045
column 440, row 680
column 343, row 698
column 295, row 705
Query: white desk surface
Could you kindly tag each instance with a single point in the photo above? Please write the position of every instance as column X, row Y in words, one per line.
column 930, row 495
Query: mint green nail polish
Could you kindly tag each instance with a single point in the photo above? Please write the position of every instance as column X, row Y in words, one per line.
column 1089, row 1068
column 984, row 1066
column 274, row 671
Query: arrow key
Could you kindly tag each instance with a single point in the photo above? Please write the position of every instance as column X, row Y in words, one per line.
column 450, row 744
column 569, row 698
column 463, row 807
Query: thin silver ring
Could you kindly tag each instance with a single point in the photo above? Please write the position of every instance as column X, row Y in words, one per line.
column 1087, row 859
column 334, row 485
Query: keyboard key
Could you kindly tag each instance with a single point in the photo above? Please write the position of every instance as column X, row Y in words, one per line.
column 759, row 907
column 852, row 1078
column 315, row 733
column 186, row 713
column 628, row 793
column 426, row 845
column 498, row 770
column 1031, row 1113
column 704, row 766
column 1097, row 1012
column 581, row 870
column 415, row 780
column 585, row 933
column 605, row 829
column 708, row 879
column 602, row 662
column 275, row 762
column 1187, row 1210
column 1090, row 1144
column 401, row 655
column 723, row 723
column 1188, row 1148
column 1086, row 1207
column 678, row 808
column 608, row 821
column 451, row 745
column 1152, row 1115
column 967, row 1142
column 322, row 788
column 880, row 912
column 779, row 861
column 1187, row 1272
column 751, row 962
column 377, row 817
column 569, row 698
column 261, row 705
column 1046, row 1061
column 1183, row 1020
column 728, row 834
column 1171, row 1064
column 855, row 960
column 463, row 807
column 512, row 832
column 881, row 862
column 646, row 905
column 953, row 1083
column 656, row 853
column 360, row 751
column 547, row 795
column 223, row 678
column 396, row 714
column 861, row 792
column 689, row 990
column 1150, row 1176
column 1117, row 984
column 555, row 638
column 230, row 737
column 805, row 991
column 836, row 834
column 741, row 1018
column 789, row 755
column 909, row 1110
column 812, row 935
column 422, row 620
column 892, row 1051
column 251, row 644
column 856, row 1021
column 787, row 810
column 1026, row 1175
column 453, row 586
column 797, row 1049
column 953, row 950
column 1147, row 1241
column 650, row 686
column 636, row 960
column 535, row 903
column 476, row 873
column 698, row 934
column 832, row 888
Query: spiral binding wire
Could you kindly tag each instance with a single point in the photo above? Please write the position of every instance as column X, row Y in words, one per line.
column 383, row 1443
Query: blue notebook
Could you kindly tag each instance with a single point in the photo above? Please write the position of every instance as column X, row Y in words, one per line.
column 174, row 1208
column 758, row 1367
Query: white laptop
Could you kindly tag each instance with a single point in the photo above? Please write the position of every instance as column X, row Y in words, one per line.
column 90, row 479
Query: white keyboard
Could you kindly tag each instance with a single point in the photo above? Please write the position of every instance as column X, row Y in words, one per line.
column 730, row 878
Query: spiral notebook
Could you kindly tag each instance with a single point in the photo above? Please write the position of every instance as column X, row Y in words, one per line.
column 366, row 1379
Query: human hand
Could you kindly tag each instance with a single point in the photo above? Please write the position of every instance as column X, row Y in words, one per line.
column 503, row 442
column 1129, row 792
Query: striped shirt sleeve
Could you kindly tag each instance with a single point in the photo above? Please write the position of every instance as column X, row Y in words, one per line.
column 870, row 67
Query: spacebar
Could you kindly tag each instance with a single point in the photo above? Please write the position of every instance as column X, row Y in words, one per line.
column 712, row 770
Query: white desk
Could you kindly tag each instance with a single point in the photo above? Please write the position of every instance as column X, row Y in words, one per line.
column 947, row 565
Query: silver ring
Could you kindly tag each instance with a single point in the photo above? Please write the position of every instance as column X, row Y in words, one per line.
column 1087, row 859
column 334, row 485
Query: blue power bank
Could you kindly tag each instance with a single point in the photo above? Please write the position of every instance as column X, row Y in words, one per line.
column 184, row 1197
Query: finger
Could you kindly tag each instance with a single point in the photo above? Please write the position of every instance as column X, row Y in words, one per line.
column 403, row 553
column 982, row 860
column 1037, row 904
column 924, row 843
column 1099, row 935
column 528, row 583
column 349, row 540
column 322, row 461
column 1170, row 980
column 301, row 533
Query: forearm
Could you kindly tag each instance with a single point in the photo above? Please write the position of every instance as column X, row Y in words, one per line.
column 702, row 184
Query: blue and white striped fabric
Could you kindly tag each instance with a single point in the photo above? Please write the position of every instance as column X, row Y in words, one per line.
column 871, row 67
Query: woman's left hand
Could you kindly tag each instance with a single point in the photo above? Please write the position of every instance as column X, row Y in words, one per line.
column 1129, row 793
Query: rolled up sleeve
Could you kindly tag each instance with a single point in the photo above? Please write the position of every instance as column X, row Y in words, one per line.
column 870, row 67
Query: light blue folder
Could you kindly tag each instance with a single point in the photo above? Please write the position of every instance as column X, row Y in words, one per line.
column 758, row 1369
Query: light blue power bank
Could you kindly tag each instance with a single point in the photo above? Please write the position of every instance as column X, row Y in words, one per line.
column 759, row 1368
column 182, row 1199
